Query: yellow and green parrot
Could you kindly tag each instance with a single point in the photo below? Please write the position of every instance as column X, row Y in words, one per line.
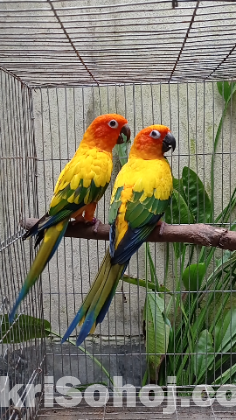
column 141, row 193
column 80, row 186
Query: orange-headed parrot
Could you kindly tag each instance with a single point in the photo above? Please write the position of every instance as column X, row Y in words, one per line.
column 141, row 193
column 80, row 186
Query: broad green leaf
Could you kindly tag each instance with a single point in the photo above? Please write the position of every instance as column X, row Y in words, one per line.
column 122, row 150
column 23, row 329
column 178, row 186
column 178, row 213
column 225, row 332
column 193, row 276
column 197, row 198
column 202, row 360
column 157, row 332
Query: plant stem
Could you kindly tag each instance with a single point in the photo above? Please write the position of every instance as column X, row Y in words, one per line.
column 216, row 141
column 139, row 282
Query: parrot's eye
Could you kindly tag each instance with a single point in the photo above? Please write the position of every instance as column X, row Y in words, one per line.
column 113, row 124
column 155, row 134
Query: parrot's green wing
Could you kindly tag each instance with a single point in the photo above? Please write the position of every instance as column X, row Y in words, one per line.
column 142, row 214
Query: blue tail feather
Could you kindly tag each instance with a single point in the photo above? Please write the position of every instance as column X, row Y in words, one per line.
column 21, row 296
column 85, row 330
column 73, row 324
column 30, row 282
column 106, row 305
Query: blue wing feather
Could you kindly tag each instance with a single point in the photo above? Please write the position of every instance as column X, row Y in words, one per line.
column 131, row 241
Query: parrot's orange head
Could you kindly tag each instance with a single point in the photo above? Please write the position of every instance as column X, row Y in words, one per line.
column 106, row 131
column 152, row 142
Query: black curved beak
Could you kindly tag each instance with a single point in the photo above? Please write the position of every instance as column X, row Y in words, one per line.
column 126, row 131
column 168, row 143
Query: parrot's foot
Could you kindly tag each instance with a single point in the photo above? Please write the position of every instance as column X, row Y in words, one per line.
column 95, row 222
column 162, row 226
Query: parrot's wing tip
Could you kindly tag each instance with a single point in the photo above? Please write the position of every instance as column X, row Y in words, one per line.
column 64, row 339
column 11, row 317
column 79, row 341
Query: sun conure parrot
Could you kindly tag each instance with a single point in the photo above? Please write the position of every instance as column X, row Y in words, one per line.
column 141, row 193
column 80, row 186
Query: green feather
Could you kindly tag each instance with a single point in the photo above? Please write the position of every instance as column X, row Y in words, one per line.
column 159, row 206
column 115, row 206
column 141, row 219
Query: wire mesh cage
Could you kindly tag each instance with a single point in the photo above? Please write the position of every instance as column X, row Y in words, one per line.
column 62, row 64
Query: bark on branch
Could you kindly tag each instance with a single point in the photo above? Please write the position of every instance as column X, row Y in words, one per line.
column 198, row 234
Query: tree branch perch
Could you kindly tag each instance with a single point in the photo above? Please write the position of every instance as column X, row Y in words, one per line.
column 198, row 234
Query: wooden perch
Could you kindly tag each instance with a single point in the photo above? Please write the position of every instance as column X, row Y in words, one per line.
column 198, row 234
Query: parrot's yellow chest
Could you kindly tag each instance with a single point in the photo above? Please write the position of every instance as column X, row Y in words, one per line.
column 147, row 176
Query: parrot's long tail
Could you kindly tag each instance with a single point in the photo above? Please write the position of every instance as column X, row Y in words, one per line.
column 98, row 300
column 52, row 238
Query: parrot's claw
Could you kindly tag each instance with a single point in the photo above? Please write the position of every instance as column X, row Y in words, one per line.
column 95, row 222
column 162, row 227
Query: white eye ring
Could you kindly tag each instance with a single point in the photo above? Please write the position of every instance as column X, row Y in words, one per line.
column 113, row 124
column 155, row 134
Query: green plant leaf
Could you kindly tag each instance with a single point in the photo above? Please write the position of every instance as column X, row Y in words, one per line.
column 178, row 186
column 163, row 288
column 226, row 89
column 24, row 328
column 82, row 387
column 193, row 276
column 202, row 360
column 217, row 137
column 122, row 150
column 197, row 198
column 178, row 213
column 154, row 278
column 157, row 332
column 227, row 211
column 139, row 282
column 226, row 376
column 226, row 256
column 225, row 332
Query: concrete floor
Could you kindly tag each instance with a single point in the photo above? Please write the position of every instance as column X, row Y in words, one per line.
column 214, row 412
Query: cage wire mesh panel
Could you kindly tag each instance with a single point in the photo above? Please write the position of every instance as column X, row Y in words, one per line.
column 21, row 359
column 71, row 42
column 63, row 64
column 61, row 115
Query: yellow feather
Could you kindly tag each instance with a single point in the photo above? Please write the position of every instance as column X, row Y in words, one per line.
column 93, row 328
column 71, row 198
column 74, row 183
column 86, row 182
column 55, row 200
